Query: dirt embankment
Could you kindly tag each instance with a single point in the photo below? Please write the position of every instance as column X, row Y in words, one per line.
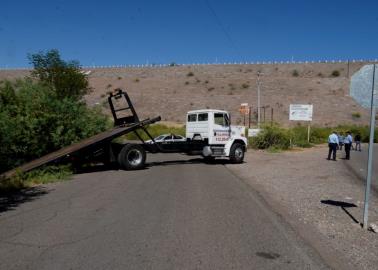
column 172, row 91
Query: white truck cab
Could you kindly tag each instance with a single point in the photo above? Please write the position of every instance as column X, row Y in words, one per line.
column 213, row 127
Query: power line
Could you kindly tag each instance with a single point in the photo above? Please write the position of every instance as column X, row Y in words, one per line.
column 221, row 26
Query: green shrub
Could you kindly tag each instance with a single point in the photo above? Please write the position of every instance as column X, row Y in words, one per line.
column 271, row 137
column 245, row 85
column 335, row 73
column 34, row 121
column 303, row 144
column 319, row 134
column 190, row 74
column 356, row 115
column 295, row 73
column 276, row 138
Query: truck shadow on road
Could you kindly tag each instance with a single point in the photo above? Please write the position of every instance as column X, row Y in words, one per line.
column 343, row 206
column 188, row 161
column 150, row 164
column 9, row 200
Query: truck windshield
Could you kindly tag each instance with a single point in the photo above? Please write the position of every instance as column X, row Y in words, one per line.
column 221, row 119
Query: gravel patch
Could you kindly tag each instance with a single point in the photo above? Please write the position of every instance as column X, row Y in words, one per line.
column 321, row 199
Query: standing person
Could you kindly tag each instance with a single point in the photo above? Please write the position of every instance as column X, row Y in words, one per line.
column 333, row 141
column 357, row 140
column 340, row 137
column 348, row 143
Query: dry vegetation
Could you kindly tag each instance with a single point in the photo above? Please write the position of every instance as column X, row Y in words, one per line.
column 173, row 90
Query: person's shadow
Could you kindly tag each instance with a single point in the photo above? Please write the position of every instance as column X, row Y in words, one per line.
column 343, row 206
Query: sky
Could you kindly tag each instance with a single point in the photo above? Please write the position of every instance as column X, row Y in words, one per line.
column 199, row 31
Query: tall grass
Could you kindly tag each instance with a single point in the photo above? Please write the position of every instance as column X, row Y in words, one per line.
column 271, row 137
column 44, row 175
column 276, row 137
column 156, row 130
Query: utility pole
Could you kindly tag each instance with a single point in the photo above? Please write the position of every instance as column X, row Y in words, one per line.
column 370, row 154
column 348, row 70
column 258, row 100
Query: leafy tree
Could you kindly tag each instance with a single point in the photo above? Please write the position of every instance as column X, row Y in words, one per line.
column 34, row 121
column 64, row 78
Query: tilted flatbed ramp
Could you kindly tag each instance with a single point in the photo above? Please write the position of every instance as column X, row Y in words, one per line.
column 100, row 138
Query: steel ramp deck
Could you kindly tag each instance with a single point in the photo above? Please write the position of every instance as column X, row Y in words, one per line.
column 106, row 136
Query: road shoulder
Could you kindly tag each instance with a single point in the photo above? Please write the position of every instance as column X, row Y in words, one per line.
column 320, row 199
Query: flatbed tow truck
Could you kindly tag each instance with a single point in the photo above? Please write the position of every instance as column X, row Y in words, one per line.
column 208, row 133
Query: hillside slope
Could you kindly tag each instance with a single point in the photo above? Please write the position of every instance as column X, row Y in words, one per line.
column 172, row 91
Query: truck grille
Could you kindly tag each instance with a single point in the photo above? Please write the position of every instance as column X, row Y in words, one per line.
column 217, row 151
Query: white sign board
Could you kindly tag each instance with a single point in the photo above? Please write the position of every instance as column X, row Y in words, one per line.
column 299, row 112
column 253, row 132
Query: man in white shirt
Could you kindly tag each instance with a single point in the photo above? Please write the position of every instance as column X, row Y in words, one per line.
column 333, row 142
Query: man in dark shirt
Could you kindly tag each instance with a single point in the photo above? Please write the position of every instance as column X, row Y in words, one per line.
column 357, row 140
column 348, row 144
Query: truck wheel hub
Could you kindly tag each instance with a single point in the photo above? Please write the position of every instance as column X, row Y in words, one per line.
column 239, row 152
column 134, row 157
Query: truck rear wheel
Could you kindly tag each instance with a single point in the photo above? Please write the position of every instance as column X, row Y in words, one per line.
column 237, row 153
column 132, row 157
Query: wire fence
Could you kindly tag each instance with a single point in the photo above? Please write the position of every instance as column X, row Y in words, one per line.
column 214, row 63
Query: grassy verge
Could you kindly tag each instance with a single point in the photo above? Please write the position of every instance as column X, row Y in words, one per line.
column 156, row 130
column 275, row 138
column 47, row 174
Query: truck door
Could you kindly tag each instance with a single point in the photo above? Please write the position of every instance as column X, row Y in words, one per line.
column 221, row 130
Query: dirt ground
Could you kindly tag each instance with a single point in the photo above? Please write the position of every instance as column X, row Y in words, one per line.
column 321, row 199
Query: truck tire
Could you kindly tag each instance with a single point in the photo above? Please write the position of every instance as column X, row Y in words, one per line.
column 132, row 157
column 237, row 153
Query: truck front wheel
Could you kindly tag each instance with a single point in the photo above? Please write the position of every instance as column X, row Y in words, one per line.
column 237, row 153
column 132, row 157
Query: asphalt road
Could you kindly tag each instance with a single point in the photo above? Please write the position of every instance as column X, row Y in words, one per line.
column 180, row 214
column 358, row 165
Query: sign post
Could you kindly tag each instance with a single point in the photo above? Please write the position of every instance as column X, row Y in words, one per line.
column 362, row 89
column 299, row 112
column 244, row 110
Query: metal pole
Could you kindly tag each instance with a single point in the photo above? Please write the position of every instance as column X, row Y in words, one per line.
column 348, row 70
column 264, row 114
column 249, row 117
column 258, row 100
column 271, row 120
column 308, row 133
column 371, row 149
